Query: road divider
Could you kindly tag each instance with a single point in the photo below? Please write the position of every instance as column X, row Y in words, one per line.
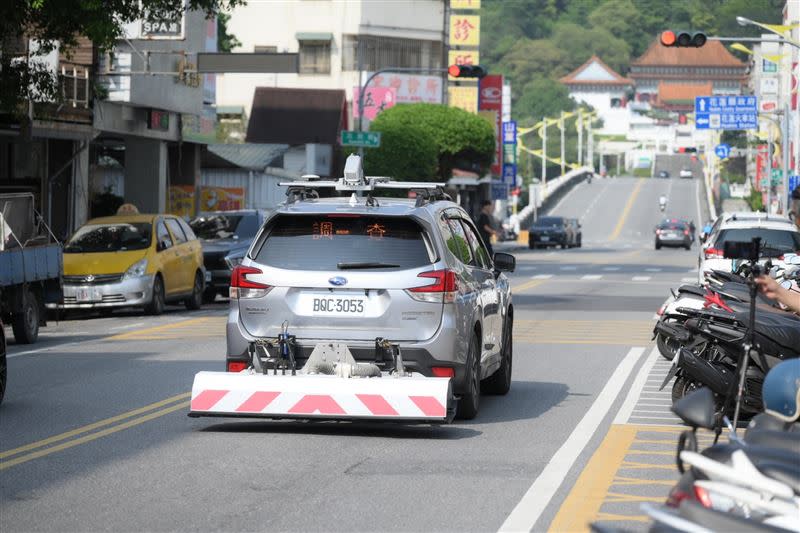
column 87, row 433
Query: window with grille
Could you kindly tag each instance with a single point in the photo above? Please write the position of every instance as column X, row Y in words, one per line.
column 382, row 52
column 315, row 57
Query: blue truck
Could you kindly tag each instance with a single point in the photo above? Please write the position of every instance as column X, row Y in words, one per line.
column 31, row 266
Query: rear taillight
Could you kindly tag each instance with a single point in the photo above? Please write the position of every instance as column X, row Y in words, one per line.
column 241, row 287
column 236, row 366
column 443, row 372
column 713, row 253
column 702, row 496
column 676, row 496
column 443, row 289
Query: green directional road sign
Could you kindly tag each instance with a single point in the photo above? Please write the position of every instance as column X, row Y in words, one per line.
column 367, row 139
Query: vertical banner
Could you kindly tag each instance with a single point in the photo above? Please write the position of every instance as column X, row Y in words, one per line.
column 465, row 30
column 510, row 153
column 491, row 99
column 465, row 98
column 465, row 5
column 181, row 200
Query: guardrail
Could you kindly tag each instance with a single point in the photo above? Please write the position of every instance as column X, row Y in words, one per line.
column 541, row 193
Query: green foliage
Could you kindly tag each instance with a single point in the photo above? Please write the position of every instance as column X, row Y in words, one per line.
column 540, row 97
column 755, row 200
column 226, row 42
column 460, row 139
column 51, row 22
column 406, row 153
column 642, row 173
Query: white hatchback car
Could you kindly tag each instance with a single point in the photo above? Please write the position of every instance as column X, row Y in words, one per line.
column 777, row 234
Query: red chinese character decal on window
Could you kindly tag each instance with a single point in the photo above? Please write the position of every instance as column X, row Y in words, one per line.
column 376, row 231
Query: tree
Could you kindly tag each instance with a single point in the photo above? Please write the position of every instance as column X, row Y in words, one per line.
column 226, row 42
column 542, row 97
column 406, row 153
column 461, row 139
column 53, row 23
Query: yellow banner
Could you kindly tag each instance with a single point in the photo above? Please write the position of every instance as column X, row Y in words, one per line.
column 465, row 4
column 465, row 98
column 221, row 198
column 462, row 57
column 465, row 30
column 181, row 200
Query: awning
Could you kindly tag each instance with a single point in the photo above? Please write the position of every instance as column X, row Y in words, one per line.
column 313, row 36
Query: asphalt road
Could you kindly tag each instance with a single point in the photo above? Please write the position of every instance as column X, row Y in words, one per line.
column 94, row 433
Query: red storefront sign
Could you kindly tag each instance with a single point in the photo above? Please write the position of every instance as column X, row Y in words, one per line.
column 490, row 98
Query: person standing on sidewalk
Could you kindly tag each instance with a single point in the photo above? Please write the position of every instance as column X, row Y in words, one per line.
column 486, row 225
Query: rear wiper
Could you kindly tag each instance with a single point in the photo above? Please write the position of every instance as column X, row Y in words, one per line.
column 372, row 264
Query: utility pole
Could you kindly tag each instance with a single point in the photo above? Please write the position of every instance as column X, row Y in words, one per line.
column 770, row 147
column 561, row 126
column 590, row 148
column 784, row 201
column 544, row 151
column 580, row 138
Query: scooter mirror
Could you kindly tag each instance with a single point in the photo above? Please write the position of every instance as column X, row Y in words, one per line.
column 697, row 408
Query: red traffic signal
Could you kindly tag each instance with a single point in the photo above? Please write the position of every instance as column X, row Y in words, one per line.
column 683, row 39
column 466, row 71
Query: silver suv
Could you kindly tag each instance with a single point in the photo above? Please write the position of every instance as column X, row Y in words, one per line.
column 356, row 270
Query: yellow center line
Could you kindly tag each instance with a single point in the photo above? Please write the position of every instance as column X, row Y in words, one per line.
column 626, row 211
column 528, row 285
column 91, row 427
column 145, row 331
column 92, row 436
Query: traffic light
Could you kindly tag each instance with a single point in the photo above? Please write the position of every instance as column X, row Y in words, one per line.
column 466, row 71
column 683, row 39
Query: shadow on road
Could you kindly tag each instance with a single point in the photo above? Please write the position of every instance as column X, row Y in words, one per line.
column 391, row 430
column 525, row 401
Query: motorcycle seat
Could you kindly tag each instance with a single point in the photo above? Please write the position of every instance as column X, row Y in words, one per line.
column 778, row 333
column 786, row 474
column 692, row 289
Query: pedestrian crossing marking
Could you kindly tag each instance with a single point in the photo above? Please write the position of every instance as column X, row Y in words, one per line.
column 653, row 269
column 542, row 276
column 611, row 269
column 592, row 276
column 640, row 278
column 612, row 332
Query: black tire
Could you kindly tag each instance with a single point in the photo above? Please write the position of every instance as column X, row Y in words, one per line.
column 499, row 383
column 157, row 302
column 658, row 246
column 209, row 296
column 580, row 242
column 531, row 245
column 683, row 386
column 563, row 245
column 470, row 401
column 195, row 301
column 688, row 246
column 666, row 346
column 25, row 324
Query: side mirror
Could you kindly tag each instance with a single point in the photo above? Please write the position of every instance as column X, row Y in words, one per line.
column 162, row 245
column 504, row 262
column 697, row 409
column 702, row 237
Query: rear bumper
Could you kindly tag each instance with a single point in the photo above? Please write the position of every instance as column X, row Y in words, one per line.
column 673, row 242
column 552, row 240
column 220, row 280
column 125, row 293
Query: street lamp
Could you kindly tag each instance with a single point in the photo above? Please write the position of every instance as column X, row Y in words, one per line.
column 744, row 21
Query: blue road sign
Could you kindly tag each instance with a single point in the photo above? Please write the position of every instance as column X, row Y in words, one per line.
column 794, row 182
column 723, row 150
column 726, row 112
column 510, row 132
column 499, row 190
column 509, row 174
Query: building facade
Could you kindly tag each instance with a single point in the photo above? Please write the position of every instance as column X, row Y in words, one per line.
column 336, row 40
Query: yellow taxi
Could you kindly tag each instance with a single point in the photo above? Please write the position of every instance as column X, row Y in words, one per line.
column 133, row 260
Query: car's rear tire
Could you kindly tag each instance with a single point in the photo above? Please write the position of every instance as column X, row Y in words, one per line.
column 500, row 382
column 580, row 242
column 156, row 305
column 209, row 296
column 658, row 246
column 688, row 246
column 25, row 324
column 195, row 301
column 470, row 401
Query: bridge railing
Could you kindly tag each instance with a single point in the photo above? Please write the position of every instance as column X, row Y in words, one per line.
column 541, row 194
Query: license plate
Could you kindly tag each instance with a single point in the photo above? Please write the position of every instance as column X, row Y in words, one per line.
column 337, row 305
column 545, row 238
column 86, row 294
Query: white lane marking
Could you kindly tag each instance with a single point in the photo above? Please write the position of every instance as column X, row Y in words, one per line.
column 640, row 278
column 569, row 268
column 676, row 419
column 555, row 208
column 655, row 316
column 700, row 221
column 688, row 280
column 636, row 389
column 536, row 499
column 542, row 276
column 661, row 412
column 652, row 269
column 44, row 349
column 611, row 269
column 592, row 276
column 654, row 404
column 692, row 271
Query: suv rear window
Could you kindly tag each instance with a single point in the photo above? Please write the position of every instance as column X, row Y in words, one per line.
column 552, row 222
column 774, row 239
column 344, row 242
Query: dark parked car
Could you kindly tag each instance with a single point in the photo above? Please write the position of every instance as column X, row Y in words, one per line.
column 663, row 174
column 225, row 236
column 551, row 231
column 577, row 232
column 673, row 233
